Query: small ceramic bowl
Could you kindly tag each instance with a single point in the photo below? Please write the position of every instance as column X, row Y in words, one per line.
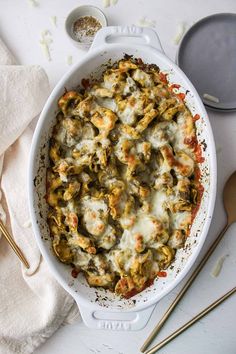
column 78, row 12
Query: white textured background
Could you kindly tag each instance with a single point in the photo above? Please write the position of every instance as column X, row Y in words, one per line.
column 20, row 27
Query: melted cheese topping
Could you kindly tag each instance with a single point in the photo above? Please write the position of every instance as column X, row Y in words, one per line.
column 121, row 185
column 94, row 215
column 159, row 206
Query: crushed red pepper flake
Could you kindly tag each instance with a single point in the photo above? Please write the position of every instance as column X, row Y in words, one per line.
column 173, row 86
column 163, row 78
column 181, row 96
column 162, row 274
column 196, row 117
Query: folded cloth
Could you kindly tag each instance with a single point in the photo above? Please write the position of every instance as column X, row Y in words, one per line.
column 32, row 303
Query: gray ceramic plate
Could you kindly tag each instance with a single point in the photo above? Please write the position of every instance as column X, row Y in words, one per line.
column 207, row 55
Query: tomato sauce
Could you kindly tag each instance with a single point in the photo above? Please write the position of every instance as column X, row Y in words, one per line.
column 181, row 96
column 173, row 86
column 74, row 272
column 196, row 117
column 193, row 143
column 163, row 78
column 162, row 274
column 134, row 291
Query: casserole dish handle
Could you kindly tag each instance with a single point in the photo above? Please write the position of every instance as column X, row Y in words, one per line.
column 109, row 34
column 111, row 320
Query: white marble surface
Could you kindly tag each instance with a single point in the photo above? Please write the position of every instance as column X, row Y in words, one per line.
column 20, row 27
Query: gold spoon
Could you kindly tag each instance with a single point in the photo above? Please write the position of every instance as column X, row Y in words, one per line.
column 229, row 198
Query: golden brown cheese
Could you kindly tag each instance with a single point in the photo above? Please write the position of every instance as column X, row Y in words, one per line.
column 122, row 183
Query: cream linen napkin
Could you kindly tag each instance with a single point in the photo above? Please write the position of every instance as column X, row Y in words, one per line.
column 32, row 303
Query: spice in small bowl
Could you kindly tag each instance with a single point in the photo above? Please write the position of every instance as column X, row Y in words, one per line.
column 85, row 28
column 83, row 23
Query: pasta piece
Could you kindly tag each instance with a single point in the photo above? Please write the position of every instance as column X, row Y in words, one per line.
column 68, row 100
column 180, row 162
column 146, row 120
column 177, row 239
column 104, row 120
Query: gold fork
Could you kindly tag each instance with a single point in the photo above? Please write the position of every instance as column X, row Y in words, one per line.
column 13, row 245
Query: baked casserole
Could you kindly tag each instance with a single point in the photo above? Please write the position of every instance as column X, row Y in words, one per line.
column 123, row 185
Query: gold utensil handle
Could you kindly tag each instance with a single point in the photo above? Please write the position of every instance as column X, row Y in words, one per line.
column 184, row 289
column 13, row 244
column 191, row 322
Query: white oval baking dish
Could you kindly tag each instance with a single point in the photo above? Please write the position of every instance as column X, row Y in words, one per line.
column 100, row 308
